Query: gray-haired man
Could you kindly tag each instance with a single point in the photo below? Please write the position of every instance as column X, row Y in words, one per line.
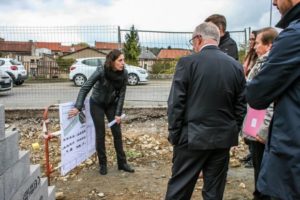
column 206, row 108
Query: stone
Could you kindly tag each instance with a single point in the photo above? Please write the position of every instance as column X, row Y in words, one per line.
column 31, row 186
column 2, row 186
column 51, row 193
column 42, row 193
column 9, row 150
column 15, row 176
column 2, row 122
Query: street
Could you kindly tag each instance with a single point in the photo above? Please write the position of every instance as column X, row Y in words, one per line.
column 39, row 95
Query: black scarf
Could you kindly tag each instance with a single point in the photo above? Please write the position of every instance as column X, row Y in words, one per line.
column 116, row 78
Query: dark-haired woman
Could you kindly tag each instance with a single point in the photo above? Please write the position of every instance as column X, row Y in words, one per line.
column 251, row 56
column 109, row 87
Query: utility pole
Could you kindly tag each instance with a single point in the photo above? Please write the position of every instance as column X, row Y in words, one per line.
column 271, row 7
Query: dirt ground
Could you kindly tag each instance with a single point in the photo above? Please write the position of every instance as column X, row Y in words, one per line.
column 148, row 151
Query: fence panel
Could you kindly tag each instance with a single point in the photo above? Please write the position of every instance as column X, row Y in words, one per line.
column 41, row 48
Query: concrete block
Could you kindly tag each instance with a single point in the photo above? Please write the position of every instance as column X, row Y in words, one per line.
column 16, row 175
column 9, row 150
column 1, row 186
column 2, row 122
column 51, row 193
column 42, row 193
column 31, row 185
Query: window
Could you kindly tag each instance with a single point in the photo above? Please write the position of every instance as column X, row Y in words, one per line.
column 2, row 62
column 14, row 62
column 91, row 62
column 101, row 61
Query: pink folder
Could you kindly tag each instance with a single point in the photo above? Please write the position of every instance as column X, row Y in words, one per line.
column 253, row 121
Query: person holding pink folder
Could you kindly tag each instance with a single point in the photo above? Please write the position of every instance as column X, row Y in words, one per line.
column 257, row 122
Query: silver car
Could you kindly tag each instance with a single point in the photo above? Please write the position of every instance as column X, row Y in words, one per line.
column 15, row 70
column 83, row 68
column 6, row 82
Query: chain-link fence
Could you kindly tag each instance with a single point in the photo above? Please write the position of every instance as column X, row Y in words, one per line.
column 49, row 56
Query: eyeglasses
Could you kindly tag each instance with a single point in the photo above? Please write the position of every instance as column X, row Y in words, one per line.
column 191, row 40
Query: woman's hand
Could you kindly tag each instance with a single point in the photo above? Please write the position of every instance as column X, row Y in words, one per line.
column 73, row 112
column 118, row 119
column 258, row 138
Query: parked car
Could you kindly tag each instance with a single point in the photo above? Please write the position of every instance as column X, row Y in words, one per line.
column 83, row 68
column 15, row 70
column 6, row 82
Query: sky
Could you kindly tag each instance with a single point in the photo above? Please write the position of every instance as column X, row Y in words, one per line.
column 154, row 15
column 164, row 15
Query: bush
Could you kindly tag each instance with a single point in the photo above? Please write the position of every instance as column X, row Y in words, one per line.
column 65, row 64
column 164, row 67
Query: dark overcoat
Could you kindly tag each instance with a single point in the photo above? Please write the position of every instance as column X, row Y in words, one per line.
column 207, row 102
column 279, row 82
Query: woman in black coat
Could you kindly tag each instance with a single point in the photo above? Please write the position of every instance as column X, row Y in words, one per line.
column 109, row 87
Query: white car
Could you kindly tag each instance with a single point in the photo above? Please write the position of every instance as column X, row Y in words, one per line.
column 15, row 70
column 6, row 82
column 83, row 68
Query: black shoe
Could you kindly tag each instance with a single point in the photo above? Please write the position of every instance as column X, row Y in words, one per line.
column 103, row 169
column 126, row 168
column 249, row 164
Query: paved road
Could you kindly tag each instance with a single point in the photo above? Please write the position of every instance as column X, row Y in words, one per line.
column 40, row 95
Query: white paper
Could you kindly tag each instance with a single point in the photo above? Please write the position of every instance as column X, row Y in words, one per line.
column 253, row 122
column 110, row 124
column 77, row 139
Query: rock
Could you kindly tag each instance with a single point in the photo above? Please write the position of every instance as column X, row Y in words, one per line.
column 235, row 163
column 101, row 194
column 59, row 195
column 242, row 185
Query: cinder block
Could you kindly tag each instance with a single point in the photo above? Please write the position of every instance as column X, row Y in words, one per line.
column 31, row 185
column 2, row 187
column 51, row 193
column 15, row 176
column 2, row 122
column 9, row 150
column 42, row 193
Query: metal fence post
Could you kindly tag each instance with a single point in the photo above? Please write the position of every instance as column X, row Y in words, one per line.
column 119, row 37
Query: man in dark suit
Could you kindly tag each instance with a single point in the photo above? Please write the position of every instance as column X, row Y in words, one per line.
column 206, row 108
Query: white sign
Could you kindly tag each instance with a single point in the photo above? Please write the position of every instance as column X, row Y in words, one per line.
column 77, row 136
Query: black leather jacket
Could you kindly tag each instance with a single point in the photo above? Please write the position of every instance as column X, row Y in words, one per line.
column 229, row 46
column 103, row 93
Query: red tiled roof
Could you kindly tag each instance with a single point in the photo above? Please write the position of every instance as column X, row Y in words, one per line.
column 106, row 45
column 53, row 46
column 78, row 47
column 172, row 53
column 14, row 46
column 65, row 49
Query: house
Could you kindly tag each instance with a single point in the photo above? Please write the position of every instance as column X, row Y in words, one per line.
column 106, row 47
column 146, row 59
column 84, row 53
column 54, row 47
column 172, row 54
column 15, row 49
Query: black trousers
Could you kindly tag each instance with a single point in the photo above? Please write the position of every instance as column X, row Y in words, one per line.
column 187, row 165
column 257, row 156
column 97, row 113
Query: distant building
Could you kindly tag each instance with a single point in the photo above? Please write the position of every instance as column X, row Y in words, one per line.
column 16, row 49
column 106, row 47
column 146, row 59
column 172, row 54
column 84, row 53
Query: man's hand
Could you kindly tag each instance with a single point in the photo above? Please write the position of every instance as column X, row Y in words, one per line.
column 73, row 112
